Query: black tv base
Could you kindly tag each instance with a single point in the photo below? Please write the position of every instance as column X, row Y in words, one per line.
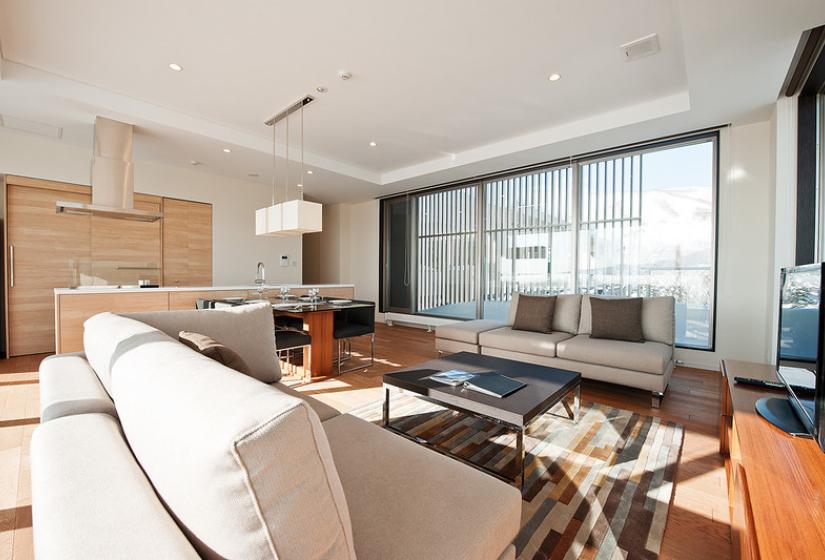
column 778, row 411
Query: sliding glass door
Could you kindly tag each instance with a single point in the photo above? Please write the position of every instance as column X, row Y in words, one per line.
column 636, row 223
column 647, row 229
column 526, row 237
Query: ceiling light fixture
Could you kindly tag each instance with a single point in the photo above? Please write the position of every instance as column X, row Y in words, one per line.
column 227, row 151
column 373, row 144
column 175, row 66
column 194, row 162
column 554, row 77
column 290, row 217
column 344, row 75
column 321, row 89
column 309, row 171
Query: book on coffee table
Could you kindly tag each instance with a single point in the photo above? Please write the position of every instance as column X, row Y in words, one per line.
column 453, row 377
column 494, row 384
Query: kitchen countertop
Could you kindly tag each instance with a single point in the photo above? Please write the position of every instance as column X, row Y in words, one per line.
column 115, row 289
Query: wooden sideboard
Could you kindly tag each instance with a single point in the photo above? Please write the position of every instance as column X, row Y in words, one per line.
column 776, row 483
column 46, row 250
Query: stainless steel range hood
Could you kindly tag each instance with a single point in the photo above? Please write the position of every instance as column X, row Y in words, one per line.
column 113, row 190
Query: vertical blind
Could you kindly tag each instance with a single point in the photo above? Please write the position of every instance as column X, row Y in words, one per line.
column 640, row 223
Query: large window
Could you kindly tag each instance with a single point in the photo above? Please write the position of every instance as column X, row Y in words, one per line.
column 638, row 223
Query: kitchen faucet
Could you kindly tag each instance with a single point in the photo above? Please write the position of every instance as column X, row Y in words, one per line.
column 260, row 277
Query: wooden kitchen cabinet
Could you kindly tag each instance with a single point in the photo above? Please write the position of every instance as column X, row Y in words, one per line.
column 187, row 243
column 44, row 250
column 125, row 251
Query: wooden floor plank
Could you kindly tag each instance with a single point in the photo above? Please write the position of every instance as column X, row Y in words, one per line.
column 698, row 524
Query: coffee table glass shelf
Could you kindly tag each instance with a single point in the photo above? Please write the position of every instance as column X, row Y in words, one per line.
column 545, row 388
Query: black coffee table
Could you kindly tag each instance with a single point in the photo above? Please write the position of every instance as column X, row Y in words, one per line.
column 545, row 388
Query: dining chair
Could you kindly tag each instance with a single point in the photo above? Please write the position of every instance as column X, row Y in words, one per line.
column 349, row 324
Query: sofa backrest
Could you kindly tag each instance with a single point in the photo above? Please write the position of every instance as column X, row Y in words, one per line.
column 565, row 316
column 247, row 329
column 658, row 318
column 244, row 468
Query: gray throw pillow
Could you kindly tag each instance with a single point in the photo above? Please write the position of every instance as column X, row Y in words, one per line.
column 616, row 319
column 211, row 348
column 535, row 313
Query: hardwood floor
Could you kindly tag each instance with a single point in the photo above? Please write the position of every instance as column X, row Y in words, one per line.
column 698, row 523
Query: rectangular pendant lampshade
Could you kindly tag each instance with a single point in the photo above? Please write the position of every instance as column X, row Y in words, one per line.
column 300, row 216
column 268, row 221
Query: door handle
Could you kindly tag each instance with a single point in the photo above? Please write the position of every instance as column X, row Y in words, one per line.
column 11, row 266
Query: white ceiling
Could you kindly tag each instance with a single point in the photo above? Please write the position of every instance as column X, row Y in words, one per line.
column 446, row 89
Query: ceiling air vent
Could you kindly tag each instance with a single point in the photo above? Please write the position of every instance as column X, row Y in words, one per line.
column 31, row 127
column 641, row 48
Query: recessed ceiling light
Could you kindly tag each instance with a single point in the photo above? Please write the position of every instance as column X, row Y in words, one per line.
column 373, row 144
column 227, row 151
column 321, row 89
column 194, row 162
column 554, row 77
column 175, row 66
column 253, row 174
column 309, row 171
column 300, row 184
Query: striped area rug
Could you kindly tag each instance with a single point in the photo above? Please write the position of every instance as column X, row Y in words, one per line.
column 598, row 489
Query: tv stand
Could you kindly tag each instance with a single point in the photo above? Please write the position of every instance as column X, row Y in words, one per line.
column 776, row 483
column 779, row 412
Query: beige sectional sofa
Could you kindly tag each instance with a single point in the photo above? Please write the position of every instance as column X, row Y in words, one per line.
column 148, row 449
column 644, row 365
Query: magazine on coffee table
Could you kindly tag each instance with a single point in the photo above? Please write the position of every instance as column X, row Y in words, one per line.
column 489, row 383
column 453, row 377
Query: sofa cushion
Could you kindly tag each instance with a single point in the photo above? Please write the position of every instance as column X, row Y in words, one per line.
column 322, row 409
column 409, row 502
column 466, row 331
column 565, row 317
column 534, row 313
column 248, row 329
column 647, row 357
column 541, row 344
column 69, row 385
column 616, row 319
column 658, row 319
column 91, row 500
column 213, row 349
column 245, row 468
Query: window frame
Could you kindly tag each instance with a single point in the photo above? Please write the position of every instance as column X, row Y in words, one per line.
column 575, row 165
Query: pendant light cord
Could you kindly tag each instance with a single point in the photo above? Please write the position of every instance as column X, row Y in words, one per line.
column 286, row 184
column 301, row 179
column 274, row 162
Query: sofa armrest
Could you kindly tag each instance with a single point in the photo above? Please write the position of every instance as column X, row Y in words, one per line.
column 467, row 331
column 69, row 385
column 90, row 499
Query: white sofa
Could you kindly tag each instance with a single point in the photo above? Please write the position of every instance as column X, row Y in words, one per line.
column 644, row 365
column 150, row 450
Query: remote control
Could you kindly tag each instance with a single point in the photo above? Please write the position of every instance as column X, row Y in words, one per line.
column 759, row 382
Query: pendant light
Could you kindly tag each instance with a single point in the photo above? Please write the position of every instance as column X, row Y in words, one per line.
column 291, row 217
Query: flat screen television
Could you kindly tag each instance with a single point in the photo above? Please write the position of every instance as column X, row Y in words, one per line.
column 800, row 348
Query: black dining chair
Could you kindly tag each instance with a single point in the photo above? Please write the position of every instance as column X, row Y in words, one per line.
column 351, row 323
column 290, row 339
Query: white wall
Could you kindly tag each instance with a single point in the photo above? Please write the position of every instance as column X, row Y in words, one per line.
column 349, row 250
column 236, row 248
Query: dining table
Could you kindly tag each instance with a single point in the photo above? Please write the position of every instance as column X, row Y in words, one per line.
column 318, row 315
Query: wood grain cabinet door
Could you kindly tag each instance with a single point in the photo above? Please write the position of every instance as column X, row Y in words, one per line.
column 45, row 250
column 125, row 251
column 187, row 243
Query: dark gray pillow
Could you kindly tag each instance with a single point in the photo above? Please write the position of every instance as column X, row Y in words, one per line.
column 535, row 313
column 211, row 348
column 616, row 319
